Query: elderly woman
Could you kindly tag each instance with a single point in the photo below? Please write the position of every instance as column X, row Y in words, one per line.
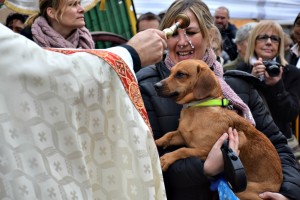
column 59, row 24
column 241, row 41
column 279, row 81
column 186, row 178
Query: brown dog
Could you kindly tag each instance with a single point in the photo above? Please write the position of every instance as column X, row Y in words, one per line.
column 200, row 128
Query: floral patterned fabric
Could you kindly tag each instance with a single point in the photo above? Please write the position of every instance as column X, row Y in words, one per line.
column 70, row 128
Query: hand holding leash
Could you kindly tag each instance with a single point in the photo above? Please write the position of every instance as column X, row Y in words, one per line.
column 234, row 171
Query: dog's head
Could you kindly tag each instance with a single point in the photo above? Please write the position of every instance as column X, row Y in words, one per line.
column 189, row 80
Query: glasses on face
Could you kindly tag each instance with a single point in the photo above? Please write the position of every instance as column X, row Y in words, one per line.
column 264, row 38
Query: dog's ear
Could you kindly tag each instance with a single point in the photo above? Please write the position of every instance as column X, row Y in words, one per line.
column 205, row 83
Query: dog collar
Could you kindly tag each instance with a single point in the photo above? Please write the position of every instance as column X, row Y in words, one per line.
column 211, row 102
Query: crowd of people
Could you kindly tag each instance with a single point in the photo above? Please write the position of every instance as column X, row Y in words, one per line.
column 258, row 71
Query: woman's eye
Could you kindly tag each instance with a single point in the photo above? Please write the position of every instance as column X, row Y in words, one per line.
column 191, row 33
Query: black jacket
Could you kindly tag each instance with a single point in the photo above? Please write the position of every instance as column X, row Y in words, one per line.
column 185, row 179
column 228, row 45
column 291, row 58
column 27, row 33
column 282, row 98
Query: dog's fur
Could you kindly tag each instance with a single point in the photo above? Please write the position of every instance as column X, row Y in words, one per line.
column 200, row 128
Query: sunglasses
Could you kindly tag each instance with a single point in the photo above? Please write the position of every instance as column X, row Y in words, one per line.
column 264, row 38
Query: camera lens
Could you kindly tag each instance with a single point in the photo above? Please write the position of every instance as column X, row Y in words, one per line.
column 272, row 67
column 273, row 70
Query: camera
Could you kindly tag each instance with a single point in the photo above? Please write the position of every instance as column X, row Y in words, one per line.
column 272, row 67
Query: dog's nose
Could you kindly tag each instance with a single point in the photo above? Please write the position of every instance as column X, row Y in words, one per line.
column 158, row 85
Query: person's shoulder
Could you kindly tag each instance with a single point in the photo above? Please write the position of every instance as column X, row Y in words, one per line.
column 231, row 65
column 146, row 72
column 238, row 75
column 27, row 32
column 292, row 70
column 232, row 27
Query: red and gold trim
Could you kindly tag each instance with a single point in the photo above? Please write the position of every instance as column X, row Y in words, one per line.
column 125, row 74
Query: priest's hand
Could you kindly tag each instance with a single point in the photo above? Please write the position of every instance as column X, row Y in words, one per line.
column 150, row 45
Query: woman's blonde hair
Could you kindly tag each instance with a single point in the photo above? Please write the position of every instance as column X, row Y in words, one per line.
column 262, row 27
column 199, row 8
column 58, row 5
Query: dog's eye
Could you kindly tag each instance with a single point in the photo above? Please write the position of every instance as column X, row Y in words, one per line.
column 180, row 75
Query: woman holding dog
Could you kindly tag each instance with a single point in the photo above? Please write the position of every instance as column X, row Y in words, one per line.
column 186, row 179
column 279, row 81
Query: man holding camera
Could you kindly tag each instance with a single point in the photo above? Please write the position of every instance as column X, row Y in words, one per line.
column 279, row 82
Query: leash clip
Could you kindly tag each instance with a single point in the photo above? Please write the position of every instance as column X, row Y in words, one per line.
column 230, row 107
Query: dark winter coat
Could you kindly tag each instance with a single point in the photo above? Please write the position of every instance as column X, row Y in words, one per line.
column 282, row 98
column 185, row 179
column 291, row 58
column 228, row 45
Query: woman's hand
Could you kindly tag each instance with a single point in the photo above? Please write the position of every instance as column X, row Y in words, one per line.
column 258, row 68
column 272, row 196
column 214, row 163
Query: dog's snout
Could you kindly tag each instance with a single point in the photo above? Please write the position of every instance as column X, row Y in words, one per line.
column 158, row 85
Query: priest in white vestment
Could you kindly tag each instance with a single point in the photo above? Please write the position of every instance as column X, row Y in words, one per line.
column 73, row 126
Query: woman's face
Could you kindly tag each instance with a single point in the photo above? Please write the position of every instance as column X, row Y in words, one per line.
column 296, row 31
column 241, row 47
column 72, row 18
column 73, row 15
column 267, row 45
column 187, row 43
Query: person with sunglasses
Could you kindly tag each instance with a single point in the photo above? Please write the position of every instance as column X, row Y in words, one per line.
column 279, row 82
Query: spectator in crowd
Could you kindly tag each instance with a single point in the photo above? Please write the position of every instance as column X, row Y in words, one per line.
column 16, row 22
column 186, row 178
column 216, row 42
column 279, row 81
column 294, row 56
column 241, row 41
column 288, row 43
column 59, row 24
column 146, row 21
column 227, row 30
column 73, row 126
column 161, row 14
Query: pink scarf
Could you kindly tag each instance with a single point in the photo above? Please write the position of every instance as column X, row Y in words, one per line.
column 45, row 36
column 228, row 93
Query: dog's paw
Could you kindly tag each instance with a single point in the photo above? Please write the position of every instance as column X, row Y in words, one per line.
column 161, row 143
column 165, row 161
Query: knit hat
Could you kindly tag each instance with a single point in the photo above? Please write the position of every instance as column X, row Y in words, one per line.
column 298, row 16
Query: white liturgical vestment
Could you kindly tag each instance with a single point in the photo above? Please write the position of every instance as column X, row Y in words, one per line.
column 73, row 125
